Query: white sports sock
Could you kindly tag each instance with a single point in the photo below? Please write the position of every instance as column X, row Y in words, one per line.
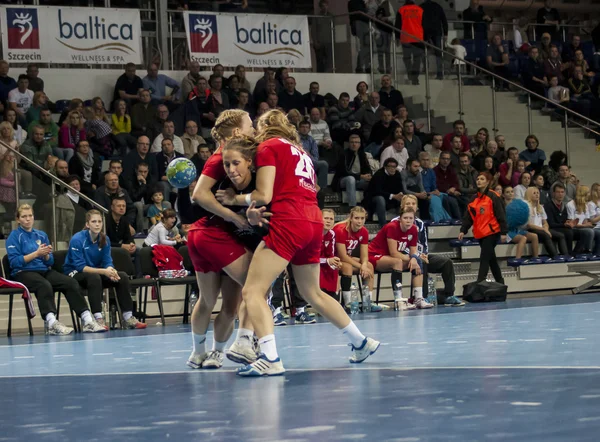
column 418, row 292
column 347, row 296
column 244, row 332
column 127, row 315
column 276, row 311
column 268, row 347
column 219, row 346
column 299, row 310
column 98, row 316
column 354, row 335
column 50, row 319
column 199, row 342
column 86, row 317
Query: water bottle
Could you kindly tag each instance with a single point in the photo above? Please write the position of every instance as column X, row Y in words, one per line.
column 432, row 292
column 398, row 296
column 193, row 300
column 354, row 300
column 366, row 301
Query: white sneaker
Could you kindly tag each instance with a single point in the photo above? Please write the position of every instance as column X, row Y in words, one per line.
column 405, row 305
column 368, row 347
column 59, row 329
column 93, row 327
column 195, row 360
column 262, row 367
column 422, row 303
column 242, row 351
column 214, row 360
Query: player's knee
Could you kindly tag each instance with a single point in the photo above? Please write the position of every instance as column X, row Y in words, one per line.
column 346, row 269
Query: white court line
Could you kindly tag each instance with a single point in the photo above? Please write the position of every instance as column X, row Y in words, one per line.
column 533, row 340
column 496, row 341
column 300, row 370
column 24, row 357
column 404, row 318
column 575, row 339
column 102, row 354
column 62, row 356
column 141, row 352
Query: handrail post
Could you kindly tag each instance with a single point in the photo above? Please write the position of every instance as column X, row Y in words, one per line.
column 472, row 30
column 371, row 54
column 460, row 93
column 494, row 108
column 503, row 32
column 172, row 56
column 54, row 220
column 534, row 29
column 567, row 150
column 17, row 183
column 529, row 115
column 427, row 91
column 332, row 24
column 395, row 59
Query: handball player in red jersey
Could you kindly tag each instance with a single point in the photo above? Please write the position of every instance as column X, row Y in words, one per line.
column 387, row 252
column 351, row 236
column 330, row 264
column 214, row 248
column 285, row 179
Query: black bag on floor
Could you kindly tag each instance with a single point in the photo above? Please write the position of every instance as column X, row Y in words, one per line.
column 484, row 291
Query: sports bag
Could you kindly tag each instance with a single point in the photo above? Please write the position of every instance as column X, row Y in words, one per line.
column 484, row 291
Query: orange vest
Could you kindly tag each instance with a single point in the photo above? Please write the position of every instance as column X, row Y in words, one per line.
column 412, row 23
column 481, row 210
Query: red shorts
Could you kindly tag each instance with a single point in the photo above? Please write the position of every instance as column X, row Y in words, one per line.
column 374, row 258
column 297, row 241
column 213, row 248
column 328, row 278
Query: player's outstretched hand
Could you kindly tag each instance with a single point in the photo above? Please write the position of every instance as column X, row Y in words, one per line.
column 257, row 216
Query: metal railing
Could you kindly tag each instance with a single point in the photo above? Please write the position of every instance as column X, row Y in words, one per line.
column 510, row 25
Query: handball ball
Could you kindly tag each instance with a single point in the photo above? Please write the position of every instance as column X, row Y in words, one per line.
column 517, row 214
column 181, row 172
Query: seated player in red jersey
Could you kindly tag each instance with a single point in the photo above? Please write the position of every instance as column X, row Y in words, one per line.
column 387, row 252
column 351, row 236
column 330, row 264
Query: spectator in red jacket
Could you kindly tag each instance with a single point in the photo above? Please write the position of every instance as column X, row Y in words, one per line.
column 410, row 20
column 459, row 131
column 447, row 182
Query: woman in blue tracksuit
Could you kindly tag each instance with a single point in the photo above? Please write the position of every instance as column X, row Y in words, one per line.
column 30, row 257
column 89, row 262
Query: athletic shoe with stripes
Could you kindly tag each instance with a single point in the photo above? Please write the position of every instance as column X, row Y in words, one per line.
column 93, row 327
column 195, row 360
column 304, row 318
column 214, row 360
column 368, row 347
column 421, row 303
column 262, row 367
column 242, row 351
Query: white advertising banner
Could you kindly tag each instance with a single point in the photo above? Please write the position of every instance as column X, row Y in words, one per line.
column 49, row 34
column 252, row 40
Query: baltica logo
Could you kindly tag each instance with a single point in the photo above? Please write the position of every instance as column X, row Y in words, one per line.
column 204, row 34
column 73, row 33
column 268, row 35
column 23, row 29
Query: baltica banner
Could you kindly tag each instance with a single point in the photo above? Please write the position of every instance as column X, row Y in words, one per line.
column 252, row 40
column 71, row 35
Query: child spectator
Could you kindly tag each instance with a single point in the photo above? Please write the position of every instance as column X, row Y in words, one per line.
column 157, row 208
column 524, row 182
column 165, row 232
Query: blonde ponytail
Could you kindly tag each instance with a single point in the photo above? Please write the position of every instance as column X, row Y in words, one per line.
column 226, row 123
column 274, row 124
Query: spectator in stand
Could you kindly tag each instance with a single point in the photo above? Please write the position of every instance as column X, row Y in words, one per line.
column 244, row 102
column 128, row 86
column 218, row 100
column 553, row 65
column 20, row 135
column 98, row 132
column 538, row 224
column 568, row 51
column 362, row 96
column 165, row 232
column 580, row 218
column 582, row 98
column 312, row 149
column 200, row 158
column 233, row 90
column 438, row 202
column 86, row 165
column 413, row 143
column 521, row 188
column 534, row 77
column 163, row 159
column 390, row 97
column 397, row 152
column 20, row 99
column 281, row 75
column 544, row 46
column 137, row 156
column 119, row 232
column 338, row 119
column 385, row 190
column 190, row 81
column 435, row 148
column 7, row 84
column 353, row 171
column 319, row 129
column 157, row 206
column 490, row 151
column 273, row 101
column 447, row 182
column 385, row 13
column 294, row 117
column 157, row 85
column 321, row 37
column 89, row 263
column 40, row 101
column 36, row 148
column 467, row 179
column 479, row 142
column 157, row 124
column 409, row 19
column 580, row 61
column 218, row 70
column 76, row 104
column 100, row 110
column 141, row 193
column 111, row 189
column 548, row 20
column 538, row 181
column 559, row 95
column 533, row 156
column 435, row 30
column 497, row 60
column 368, row 115
column 501, row 154
column 168, row 132
column 240, row 71
column 142, row 115
column 313, row 99
column 116, row 167
column 381, row 131
column 459, row 131
column 70, row 133
column 509, row 175
column 519, row 235
column 261, row 85
column 191, row 140
column 50, row 127
column 558, row 220
column 79, row 204
column 412, row 184
column 479, row 28
column 121, row 128
column 36, row 84
column 290, row 98
column 359, row 26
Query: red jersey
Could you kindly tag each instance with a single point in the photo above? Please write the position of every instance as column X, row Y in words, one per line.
column 350, row 238
column 328, row 276
column 294, row 191
column 213, row 169
column 392, row 230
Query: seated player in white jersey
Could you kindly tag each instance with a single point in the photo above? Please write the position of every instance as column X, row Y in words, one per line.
column 388, row 252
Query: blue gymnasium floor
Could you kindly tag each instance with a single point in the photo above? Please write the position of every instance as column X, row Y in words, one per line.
column 525, row 370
